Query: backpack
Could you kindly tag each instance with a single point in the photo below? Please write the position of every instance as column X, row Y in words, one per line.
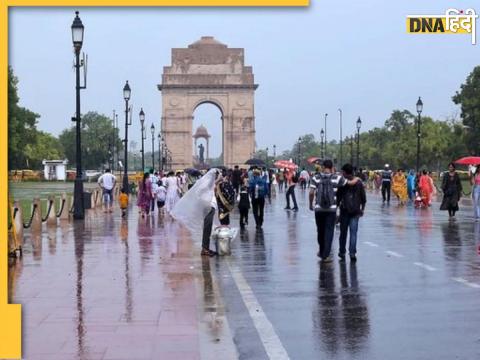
column 350, row 201
column 261, row 191
column 325, row 196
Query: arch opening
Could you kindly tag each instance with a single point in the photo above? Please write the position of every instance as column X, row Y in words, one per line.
column 207, row 136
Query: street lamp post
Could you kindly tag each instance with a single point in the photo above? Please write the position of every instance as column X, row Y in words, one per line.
column 127, row 92
column 341, row 138
column 266, row 157
column 299, row 149
column 114, row 133
column 152, row 130
column 274, row 152
column 419, row 111
column 117, row 147
column 142, row 123
column 160, row 151
column 325, row 145
column 322, row 134
column 77, row 39
column 359, row 125
column 351, row 150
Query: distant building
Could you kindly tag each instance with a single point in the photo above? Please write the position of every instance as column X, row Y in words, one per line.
column 55, row 169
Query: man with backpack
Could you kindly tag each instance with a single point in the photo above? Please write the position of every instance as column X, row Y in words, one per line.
column 323, row 190
column 258, row 190
column 351, row 199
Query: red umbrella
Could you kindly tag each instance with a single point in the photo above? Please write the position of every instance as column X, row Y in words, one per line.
column 314, row 159
column 282, row 164
column 468, row 160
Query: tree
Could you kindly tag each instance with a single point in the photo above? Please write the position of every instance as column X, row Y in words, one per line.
column 46, row 147
column 22, row 122
column 469, row 100
column 98, row 137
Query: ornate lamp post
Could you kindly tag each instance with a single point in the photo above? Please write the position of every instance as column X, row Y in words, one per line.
column 127, row 92
column 266, row 158
column 341, row 138
column 325, row 144
column 152, row 130
column 359, row 125
column 160, row 151
column 419, row 111
column 322, row 134
column 77, row 39
column 114, row 133
column 142, row 123
column 299, row 154
column 274, row 152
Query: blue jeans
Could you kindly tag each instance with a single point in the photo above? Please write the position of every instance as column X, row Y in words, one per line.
column 348, row 223
column 476, row 201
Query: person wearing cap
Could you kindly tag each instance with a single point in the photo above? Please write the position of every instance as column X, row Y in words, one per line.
column 386, row 183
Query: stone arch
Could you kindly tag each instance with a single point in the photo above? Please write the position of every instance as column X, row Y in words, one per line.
column 208, row 72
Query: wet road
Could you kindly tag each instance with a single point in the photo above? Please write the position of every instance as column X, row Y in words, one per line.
column 139, row 290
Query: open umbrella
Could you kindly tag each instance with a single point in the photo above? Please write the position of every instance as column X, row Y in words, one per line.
column 285, row 164
column 468, row 160
column 193, row 172
column 256, row 162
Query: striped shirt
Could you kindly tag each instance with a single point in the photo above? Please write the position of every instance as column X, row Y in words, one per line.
column 337, row 181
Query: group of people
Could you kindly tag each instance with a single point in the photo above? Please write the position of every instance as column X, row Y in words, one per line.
column 335, row 197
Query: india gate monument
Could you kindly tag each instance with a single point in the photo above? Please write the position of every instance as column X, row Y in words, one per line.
column 208, row 72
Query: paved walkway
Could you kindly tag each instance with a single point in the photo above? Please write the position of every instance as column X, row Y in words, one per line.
column 139, row 290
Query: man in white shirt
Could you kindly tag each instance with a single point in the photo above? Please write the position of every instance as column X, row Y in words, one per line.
column 107, row 182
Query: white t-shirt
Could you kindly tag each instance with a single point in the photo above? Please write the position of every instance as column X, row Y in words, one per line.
column 107, row 181
column 161, row 193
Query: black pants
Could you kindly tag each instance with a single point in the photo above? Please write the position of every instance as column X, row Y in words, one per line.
column 386, row 190
column 207, row 228
column 325, row 222
column 152, row 202
column 257, row 207
column 243, row 216
column 291, row 192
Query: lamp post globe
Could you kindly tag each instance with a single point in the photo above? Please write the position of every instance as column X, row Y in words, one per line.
column 77, row 40
column 77, row 32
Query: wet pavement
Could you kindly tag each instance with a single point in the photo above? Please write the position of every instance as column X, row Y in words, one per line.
column 138, row 289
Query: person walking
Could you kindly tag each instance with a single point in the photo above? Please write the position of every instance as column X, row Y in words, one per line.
column 244, row 206
column 426, row 190
column 452, row 191
column 304, row 178
column 291, row 180
column 171, row 183
column 474, row 173
column 399, row 187
column 153, row 181
column 386, row 183
column 107, row 183
column 351, row 200
column 236, row 179
column 411, row 185
column 280, row 180
column 144, row 195
column 123, row 202
column 258, row 190
column 323, row 188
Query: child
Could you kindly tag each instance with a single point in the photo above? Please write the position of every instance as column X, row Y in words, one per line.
column 123, row 200
column 160, row 195
column 243, row 206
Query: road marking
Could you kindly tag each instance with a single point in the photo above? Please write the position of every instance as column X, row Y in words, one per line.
column 393, row 253
column 270, row 340
column 425, row 266
column 370, row 243
column 466, row 282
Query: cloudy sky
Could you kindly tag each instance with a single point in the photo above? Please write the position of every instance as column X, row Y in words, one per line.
column 307, row 61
